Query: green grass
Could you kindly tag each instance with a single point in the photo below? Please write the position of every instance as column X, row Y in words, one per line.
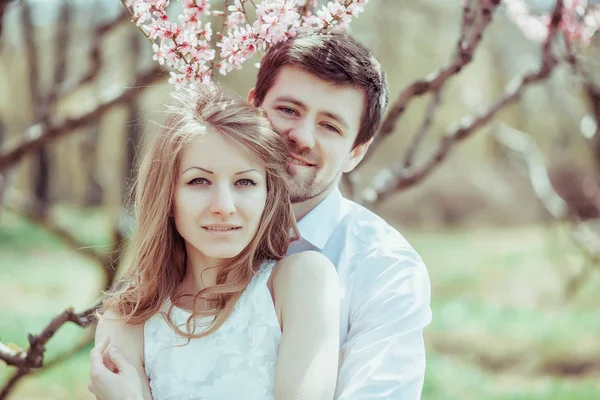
column 501, row 320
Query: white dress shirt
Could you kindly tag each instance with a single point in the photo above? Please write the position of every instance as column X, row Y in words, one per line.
column 385, row 299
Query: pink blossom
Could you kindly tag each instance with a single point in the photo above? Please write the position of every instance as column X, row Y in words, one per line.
column 176, row 79
column 186, row 48
column 335, row 15
column 155, row 30
column 159, row 54
column 579, row 20
column 235, row 18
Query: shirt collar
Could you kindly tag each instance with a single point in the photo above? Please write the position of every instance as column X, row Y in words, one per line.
column 318, row 225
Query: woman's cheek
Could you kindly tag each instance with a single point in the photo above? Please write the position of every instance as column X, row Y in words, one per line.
column 191, row 202
column 254, row 200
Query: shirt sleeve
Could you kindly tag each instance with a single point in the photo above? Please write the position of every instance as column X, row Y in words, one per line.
column 384, row 354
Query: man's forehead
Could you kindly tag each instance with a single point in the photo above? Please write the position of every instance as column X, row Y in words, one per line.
column 298, row 86
column 300, row 78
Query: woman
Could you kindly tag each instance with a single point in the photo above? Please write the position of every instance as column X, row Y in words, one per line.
column 210, row 307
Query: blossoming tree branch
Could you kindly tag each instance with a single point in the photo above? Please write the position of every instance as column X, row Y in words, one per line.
column 186, row 48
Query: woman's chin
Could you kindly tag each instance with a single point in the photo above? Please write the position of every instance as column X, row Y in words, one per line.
column 223, row 252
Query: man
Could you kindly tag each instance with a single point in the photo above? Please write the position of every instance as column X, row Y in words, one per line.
column 326, row 95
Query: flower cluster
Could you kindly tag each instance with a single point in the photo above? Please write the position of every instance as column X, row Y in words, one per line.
column 185, row 45
column 580, row 20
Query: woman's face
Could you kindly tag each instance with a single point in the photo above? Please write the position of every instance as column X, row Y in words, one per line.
column 219, row 199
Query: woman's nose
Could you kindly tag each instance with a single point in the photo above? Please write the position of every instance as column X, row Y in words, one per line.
column 223, row 201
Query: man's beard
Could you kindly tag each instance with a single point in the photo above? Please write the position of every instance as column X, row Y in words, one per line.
column 308, row 188
column 305, row 190
column 304, row 187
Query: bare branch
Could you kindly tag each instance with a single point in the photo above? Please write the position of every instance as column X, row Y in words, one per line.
column 3, row 6
column 82, row 344
column 553, row 29
column 39, row 136
column 575, row 282
column 32, row 60
column 524, row 146
column 588, row 239
column 11, row 382
column 24, row 209
column 6, row 180
column 424, row 129
column 224, row 16
column 399, row 178
column 467, row 22
column 27, row 362
column 32, row 359
column 34, row 356
column 11, row 356
column 72, row 85
column 474, row 24
column 62, row 43
column 582, row 233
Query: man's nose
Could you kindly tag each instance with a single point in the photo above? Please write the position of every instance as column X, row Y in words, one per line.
column 223, row 202
column 302, row 135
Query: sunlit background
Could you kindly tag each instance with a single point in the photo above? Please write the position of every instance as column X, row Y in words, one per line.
column 515, row 283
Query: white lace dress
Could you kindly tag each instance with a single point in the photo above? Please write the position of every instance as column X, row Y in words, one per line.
column 236, row 362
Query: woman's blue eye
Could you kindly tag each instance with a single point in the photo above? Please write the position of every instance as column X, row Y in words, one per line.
column 199, row 181
column 245, row 182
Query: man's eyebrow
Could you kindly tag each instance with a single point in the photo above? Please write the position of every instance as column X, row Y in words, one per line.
column 300, row 104
column 200, row 168
column 291, row 100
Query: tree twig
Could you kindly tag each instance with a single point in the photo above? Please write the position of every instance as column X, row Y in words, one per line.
column 474, row 23
column 63, row 234
column 522, row 145
column 71, row 86
column 32, row 359
column 582, row 235
column 39, row 136
column 398, row 178
column 423, row 130
column 34, row 356
column 3, row 6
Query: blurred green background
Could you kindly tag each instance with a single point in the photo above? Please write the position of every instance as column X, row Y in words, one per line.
column 514, row 300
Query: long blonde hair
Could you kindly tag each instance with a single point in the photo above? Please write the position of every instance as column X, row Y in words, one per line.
column 156, row 258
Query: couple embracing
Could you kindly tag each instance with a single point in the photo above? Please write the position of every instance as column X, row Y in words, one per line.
column 249, row 275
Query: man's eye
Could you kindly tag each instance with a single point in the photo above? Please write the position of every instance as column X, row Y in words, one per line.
column 245, row 182
column 287, row 110
column 332, row 128
column 199, row 181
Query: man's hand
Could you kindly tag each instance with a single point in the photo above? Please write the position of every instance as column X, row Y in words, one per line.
column 119, row 381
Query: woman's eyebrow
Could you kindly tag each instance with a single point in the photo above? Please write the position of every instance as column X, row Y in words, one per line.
column 200, row 168
column 248, row 170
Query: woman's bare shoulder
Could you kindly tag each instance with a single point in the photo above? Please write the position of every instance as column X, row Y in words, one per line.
column 305, row 272
column 303, row 265
column 121, row 333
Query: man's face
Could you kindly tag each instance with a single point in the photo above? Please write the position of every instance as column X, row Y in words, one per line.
column 319, row 122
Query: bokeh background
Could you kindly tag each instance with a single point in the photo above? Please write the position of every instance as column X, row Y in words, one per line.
column 515, row 288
